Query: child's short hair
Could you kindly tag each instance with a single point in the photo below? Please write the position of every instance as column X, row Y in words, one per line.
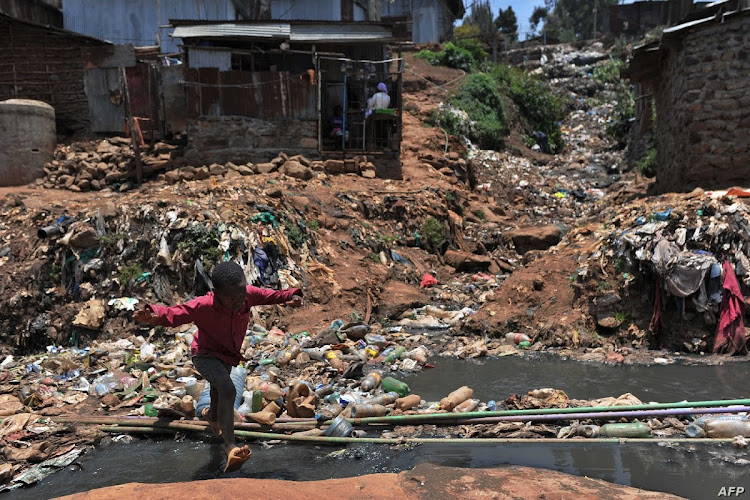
column 227, row 275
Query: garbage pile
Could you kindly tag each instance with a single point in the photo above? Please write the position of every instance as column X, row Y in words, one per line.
column 689, row 254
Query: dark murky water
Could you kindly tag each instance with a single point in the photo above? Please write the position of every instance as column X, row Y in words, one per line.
column 499, row 378
column 693, row 471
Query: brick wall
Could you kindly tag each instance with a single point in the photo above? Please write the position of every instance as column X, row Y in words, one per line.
column 703, row 108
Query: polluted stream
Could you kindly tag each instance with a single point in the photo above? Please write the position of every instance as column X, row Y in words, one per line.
column 691, row 470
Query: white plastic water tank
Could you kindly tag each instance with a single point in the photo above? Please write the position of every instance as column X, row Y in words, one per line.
column 27, row 140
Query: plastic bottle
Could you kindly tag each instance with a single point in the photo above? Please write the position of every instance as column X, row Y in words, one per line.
column 517, row 338
column 263, row 417
column 390, row 384
column 257, row 400
column 466, row 406
column 288, row 356
column 491, row 405
column 324, row 390
column 632, row 429
column 332, row 398
column 247, row 405
column 383, row 399
column 408, row 402
column 372, row 351
column 396, row 354
column 357, row 331
column 375, row 339
column 417, row 355
column 333, row 359
column 365, row 410
column 316, row 354
column 589, row 431
column 271, row 392
column 456, row 397
column 727, row 428
column 329, row 411
column 370, row 382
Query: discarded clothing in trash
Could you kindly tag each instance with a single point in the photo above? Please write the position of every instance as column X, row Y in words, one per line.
column 730, row 333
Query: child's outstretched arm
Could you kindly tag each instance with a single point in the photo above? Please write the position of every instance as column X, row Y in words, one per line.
column 180, row 314
column 266, row 296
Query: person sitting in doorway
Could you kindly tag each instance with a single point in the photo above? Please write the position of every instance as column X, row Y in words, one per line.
column 379, row 100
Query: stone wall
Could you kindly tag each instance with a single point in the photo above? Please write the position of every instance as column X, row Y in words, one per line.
column 703, row 108
column 240, row 140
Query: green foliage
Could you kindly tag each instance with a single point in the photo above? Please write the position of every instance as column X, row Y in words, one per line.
column 539, row 15
column 540, row 108
column 619, row 316
column 609, row 72
column 473, row 46
column 570, row 20
column 449, row 196
column 648, row 163
column 429, row 56
column 432, row 232
column 313, row 225
column 457, row 57
column 387, row 240
column 295, row 234
column 130, row 272
column 481, row 16
column 479, row 96
column 603, row 285
column 202, row 241
column 480, row 215
column 374, row 257
column 623, row 113
column 507, row 23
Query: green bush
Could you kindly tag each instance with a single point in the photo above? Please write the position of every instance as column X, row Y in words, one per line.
column 623, row 113
column 429, row 56
column 474, row 47
column 457, row 57
column 432, row 232
column 609, row 72
column 479, row 97
column 539, row 107
column 648, row 163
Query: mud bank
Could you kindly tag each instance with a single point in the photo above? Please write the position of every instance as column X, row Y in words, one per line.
column 424, row 481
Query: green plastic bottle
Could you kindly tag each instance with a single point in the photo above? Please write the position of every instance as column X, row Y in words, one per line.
column 629, row 430
column 390, row 384
column 394, row 355
column 257, row 401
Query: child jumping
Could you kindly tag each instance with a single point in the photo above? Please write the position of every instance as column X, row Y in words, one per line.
column 221, row 317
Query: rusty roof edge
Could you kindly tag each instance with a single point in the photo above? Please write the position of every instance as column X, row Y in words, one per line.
column 53, row 29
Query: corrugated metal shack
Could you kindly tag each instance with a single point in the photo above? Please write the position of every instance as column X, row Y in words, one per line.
column 46, row 64
column 140, row 22
column 254, row 88
column 146, row 22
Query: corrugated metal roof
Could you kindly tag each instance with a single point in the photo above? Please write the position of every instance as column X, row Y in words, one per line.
column 233, row 30
column 340, row 33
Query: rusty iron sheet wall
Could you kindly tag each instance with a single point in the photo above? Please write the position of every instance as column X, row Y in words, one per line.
column 258, row 94
column 44, row 65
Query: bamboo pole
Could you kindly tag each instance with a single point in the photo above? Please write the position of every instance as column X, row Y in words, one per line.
column 546, row 411
column 406, row 440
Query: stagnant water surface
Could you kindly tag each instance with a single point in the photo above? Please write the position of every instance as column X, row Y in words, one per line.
column 690, row 470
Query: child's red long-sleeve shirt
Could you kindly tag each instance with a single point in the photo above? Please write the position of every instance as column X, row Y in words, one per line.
column 220, row 330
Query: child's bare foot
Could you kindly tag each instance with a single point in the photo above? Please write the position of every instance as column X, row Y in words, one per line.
column 215, row 427
column 236, row 457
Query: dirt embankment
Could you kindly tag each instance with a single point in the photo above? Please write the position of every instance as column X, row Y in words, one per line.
column 423, row 482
